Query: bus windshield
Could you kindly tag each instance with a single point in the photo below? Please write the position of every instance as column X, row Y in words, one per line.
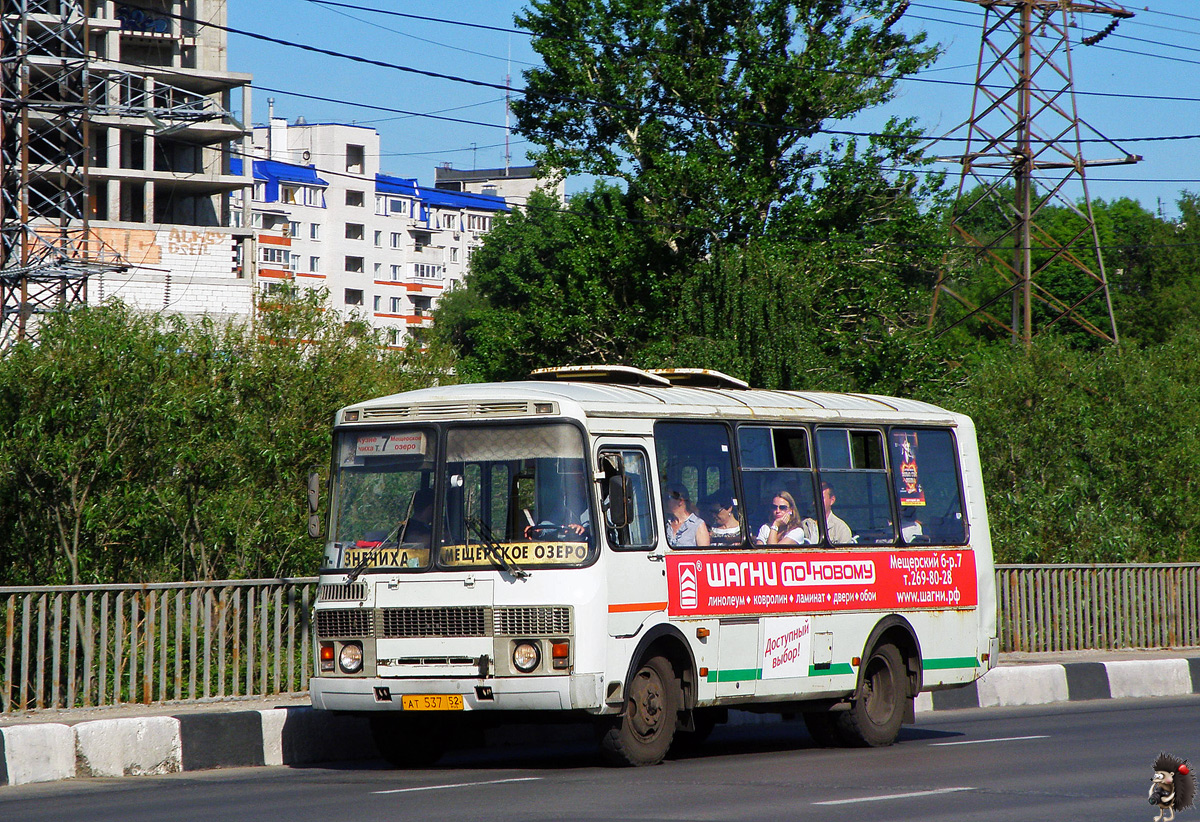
column 516, row 495
column 384, row 498
column 511, row 497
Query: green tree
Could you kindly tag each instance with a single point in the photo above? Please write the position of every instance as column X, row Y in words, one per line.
column 704, row 107
column 135, row 448
column 553, row 285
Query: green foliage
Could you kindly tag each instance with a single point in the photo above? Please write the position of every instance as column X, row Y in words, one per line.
column 554, row 286
column 703, row 106
column 139, row 448
column 1088, row 457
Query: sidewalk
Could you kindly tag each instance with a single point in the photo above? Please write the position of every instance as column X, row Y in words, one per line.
column 135, row 740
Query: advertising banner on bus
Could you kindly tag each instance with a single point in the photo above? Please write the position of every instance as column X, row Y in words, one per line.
column 774, row 583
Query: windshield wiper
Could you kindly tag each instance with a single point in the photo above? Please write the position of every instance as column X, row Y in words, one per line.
column 395, row 532
column 494, row 549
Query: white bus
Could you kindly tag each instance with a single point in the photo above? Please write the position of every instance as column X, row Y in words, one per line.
column 597, row 542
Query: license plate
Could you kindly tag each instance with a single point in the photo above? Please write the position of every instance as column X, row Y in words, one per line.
column 432, row 702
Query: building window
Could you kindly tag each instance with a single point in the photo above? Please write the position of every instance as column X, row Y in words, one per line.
column 314, row 264
column 260, row 192
column 396, row 239
column 421, row 306
column 293, row 228
column 427, row 271
column 378, row 302
column 394, row 335
column 355, row 160
column 396, row 305
column 422, row 239
column 354, row 265
column 396, row 206
column 377, row 270
column 379, row 239
column 479, row 222
column 290, row 195
column 381, row 205
column 274, row 255
column 354, row 296
column 453, row 254
column 396, row 273
column 314, row 231
column 354, row 231
column 354, row 198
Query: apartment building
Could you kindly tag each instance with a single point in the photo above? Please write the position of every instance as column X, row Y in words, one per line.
column 513, row 183
column 162, row 142
column 118, row 136
column 384, row 247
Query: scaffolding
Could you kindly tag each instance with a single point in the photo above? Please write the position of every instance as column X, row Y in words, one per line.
column 1024, row 155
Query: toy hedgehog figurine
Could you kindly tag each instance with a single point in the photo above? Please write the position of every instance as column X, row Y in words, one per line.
column 1172, row 788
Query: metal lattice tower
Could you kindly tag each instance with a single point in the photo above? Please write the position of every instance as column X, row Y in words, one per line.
column 45, row 257
column 1024, row 153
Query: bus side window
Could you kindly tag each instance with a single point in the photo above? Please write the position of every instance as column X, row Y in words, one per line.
column 695, row 464
column 928, row 488
column 854, row 487
column 777, row 470
column 625, row 500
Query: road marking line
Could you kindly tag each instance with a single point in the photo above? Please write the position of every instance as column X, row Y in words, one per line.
column 935, row 792
column 462, row 785
column 998, row 739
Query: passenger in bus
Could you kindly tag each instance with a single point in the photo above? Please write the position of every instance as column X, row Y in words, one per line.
column 724, row 526
column 784, row 525
column 839, row 531
column 684, row 528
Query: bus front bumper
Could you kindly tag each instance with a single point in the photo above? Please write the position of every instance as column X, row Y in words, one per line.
column 535, row 693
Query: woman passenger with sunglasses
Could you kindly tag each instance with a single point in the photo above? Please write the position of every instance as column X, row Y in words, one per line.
column 785, row 526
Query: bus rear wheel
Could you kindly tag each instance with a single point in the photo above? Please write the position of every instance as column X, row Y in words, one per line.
column 875, row 717
column 643, row 733
column 406, row 742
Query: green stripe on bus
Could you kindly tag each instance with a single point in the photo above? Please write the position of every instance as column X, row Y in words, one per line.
column 833, row 670
column 951, row 662
column 735, row 675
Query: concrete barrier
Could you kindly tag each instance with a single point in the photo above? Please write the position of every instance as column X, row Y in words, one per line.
column 129, row 746
column 38, row 753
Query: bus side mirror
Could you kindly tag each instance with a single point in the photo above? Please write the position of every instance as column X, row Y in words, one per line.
column 618, row 501
column 314, row 503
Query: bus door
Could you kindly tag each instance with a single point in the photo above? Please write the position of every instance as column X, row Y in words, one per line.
column 636, row 575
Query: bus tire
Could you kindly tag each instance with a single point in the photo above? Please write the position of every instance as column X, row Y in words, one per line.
column 407, row 743
column 877, row 712
column 642, row 734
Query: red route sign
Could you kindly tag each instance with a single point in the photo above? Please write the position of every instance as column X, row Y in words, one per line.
column 711, row 584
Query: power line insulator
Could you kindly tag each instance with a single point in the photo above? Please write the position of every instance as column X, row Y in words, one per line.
column 891, row 19
column 1093, row 39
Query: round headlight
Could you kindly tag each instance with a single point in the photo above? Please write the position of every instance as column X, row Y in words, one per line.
column 350, row 659
column 526, row 656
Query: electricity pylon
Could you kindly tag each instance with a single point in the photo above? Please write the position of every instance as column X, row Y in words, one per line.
column 1023, row 155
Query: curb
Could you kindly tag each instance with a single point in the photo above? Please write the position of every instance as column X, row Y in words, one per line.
column 135, row 746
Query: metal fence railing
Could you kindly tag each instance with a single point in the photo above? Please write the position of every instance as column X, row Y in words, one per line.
column 95, row 645
column 98, row 645
column 1081, row 607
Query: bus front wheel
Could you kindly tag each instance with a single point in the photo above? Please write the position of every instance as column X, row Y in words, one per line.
column 875, row 717
column 642, row 734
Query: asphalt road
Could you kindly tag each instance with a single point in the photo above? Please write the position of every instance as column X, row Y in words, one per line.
column 1071, row 761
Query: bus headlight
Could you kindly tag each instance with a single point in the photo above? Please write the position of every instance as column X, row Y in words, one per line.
column 526, row 656
column 351, row 658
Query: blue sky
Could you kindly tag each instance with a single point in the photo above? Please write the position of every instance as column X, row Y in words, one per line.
column 1140, row 83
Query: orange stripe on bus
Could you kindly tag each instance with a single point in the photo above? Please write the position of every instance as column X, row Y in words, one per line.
column 626, row 607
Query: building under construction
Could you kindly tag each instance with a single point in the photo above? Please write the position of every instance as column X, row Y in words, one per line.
column 117, row 137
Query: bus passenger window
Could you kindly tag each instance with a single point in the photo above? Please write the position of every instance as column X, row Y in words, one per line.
column 928, row 488
column 855, row 498
column 695, row 465
column 778, row 481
